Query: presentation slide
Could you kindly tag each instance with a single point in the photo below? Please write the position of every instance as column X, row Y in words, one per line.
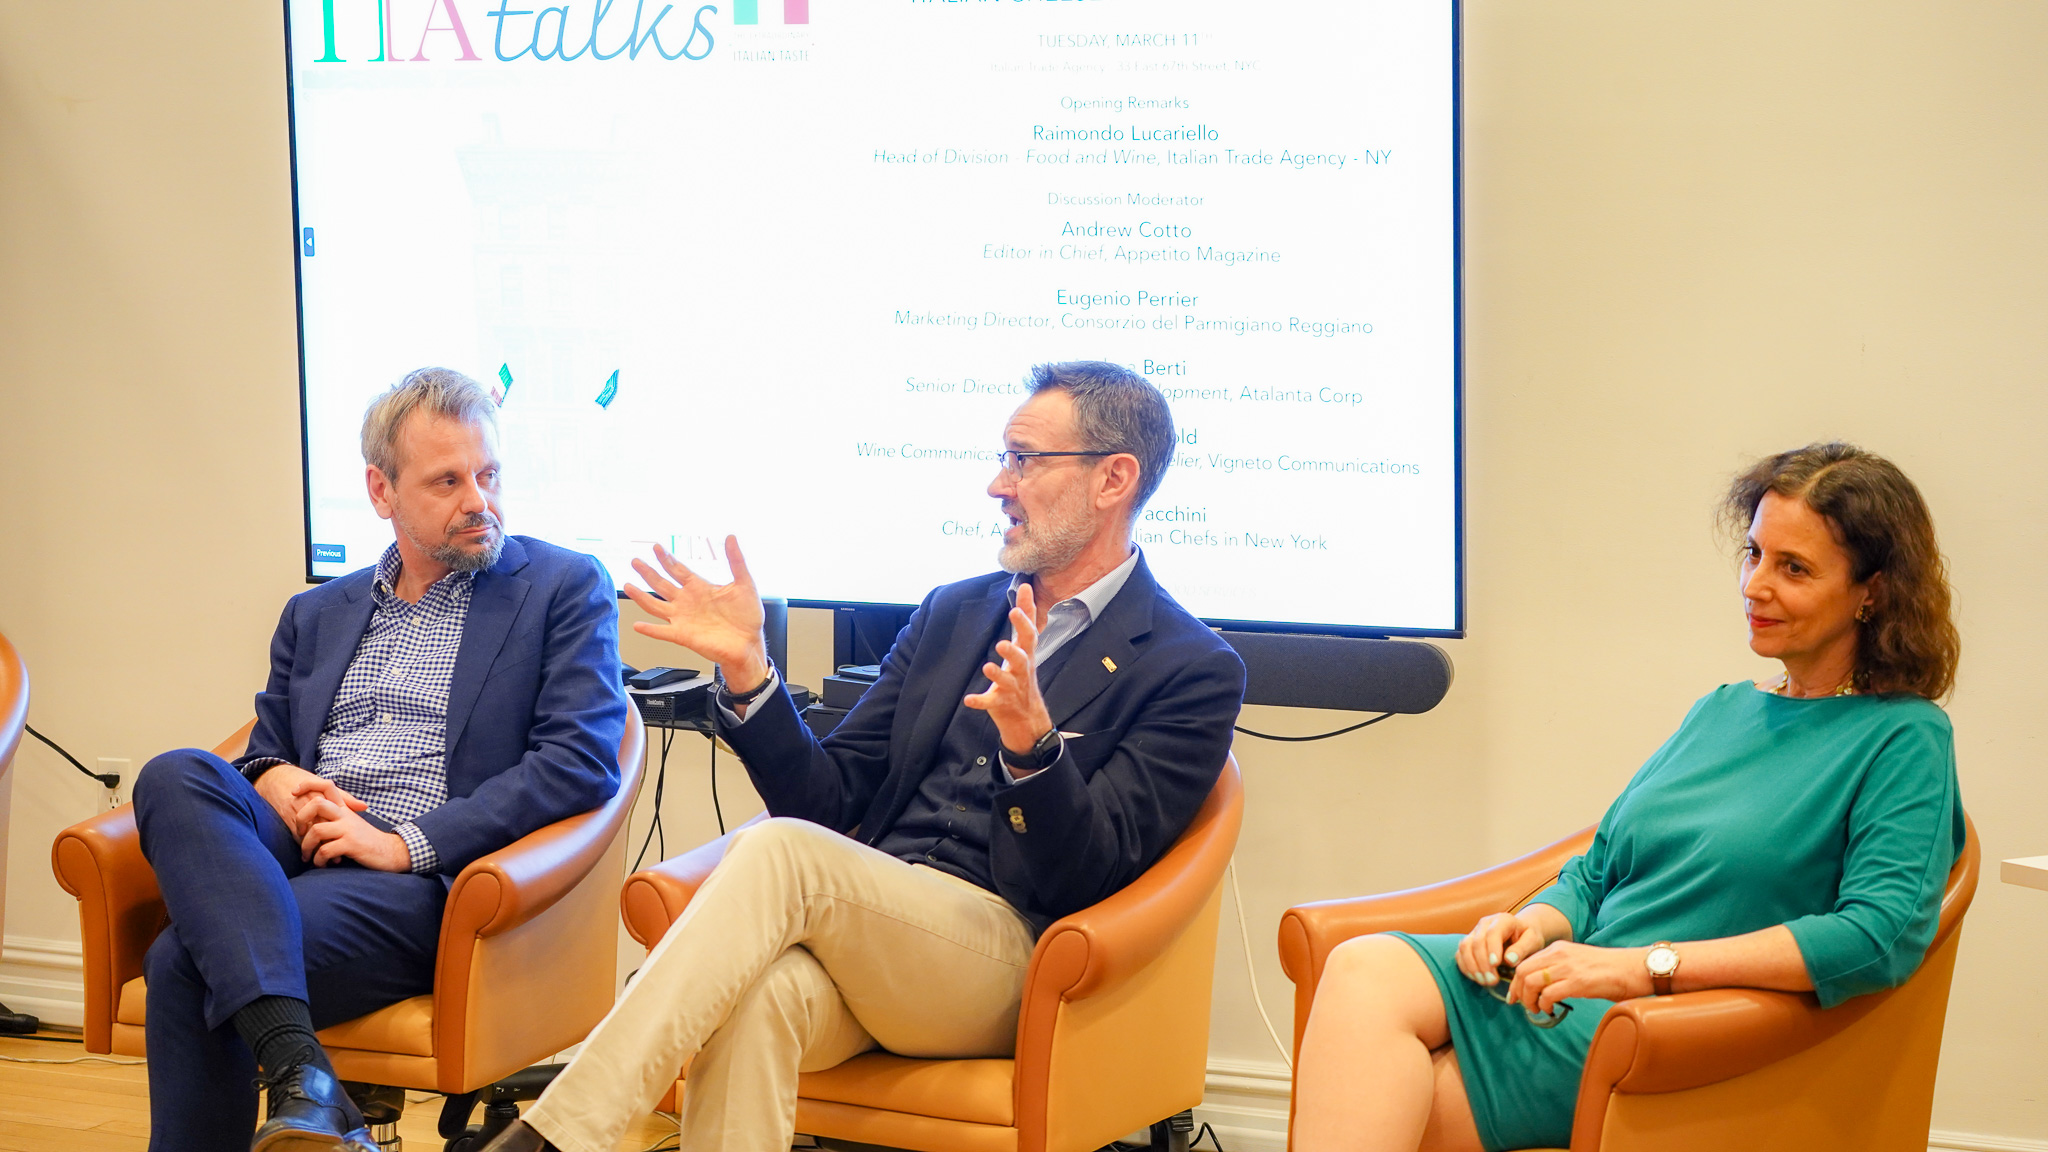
column 779, row 268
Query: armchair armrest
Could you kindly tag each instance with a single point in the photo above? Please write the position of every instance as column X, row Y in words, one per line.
column 500, row 891
column 527, row 925
column 120, row 910
column 655, row 897
column 1671, row 1043
column 1098, row 948
column 1309, row 932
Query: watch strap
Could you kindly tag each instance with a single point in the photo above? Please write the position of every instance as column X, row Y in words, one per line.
column 1046, row 751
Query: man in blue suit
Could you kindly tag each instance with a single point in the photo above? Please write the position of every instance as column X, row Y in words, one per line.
column 1038, row 738
column 421, row 713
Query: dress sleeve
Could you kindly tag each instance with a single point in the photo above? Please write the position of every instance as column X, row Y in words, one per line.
column 1582, row 883
column 1905, row 829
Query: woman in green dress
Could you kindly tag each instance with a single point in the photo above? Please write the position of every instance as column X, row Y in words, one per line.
column 1795, row 834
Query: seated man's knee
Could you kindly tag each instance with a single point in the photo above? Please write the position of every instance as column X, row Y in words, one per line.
column 778, row 835
column 174, row 774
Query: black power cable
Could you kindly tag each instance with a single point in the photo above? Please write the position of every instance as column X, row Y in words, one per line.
column 716, row 810
column 1318, row 736
column 654, row 827
column 106, row 779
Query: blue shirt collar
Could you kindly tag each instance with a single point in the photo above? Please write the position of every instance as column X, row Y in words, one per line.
column 389, row 567
column 1095, row 597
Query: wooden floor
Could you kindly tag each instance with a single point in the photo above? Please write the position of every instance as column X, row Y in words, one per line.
column 105, row 1108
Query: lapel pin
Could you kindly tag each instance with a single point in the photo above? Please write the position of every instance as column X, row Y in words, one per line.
column 1109, row 664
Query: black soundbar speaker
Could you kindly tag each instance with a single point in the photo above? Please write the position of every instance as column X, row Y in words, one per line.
column 1341, row 672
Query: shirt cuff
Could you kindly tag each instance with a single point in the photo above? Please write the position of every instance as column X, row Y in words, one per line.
column 425, row 860
column 251, row 769
column 735, row 719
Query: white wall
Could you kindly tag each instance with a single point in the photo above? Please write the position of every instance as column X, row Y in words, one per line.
column 1696, row 234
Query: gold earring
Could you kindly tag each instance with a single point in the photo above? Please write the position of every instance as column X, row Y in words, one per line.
column 1862, row 613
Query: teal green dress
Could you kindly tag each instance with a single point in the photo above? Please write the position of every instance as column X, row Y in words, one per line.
column 1836, row 817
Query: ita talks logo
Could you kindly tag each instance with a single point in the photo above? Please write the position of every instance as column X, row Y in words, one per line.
column 417, row 31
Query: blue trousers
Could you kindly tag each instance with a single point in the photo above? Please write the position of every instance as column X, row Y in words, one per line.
column 249, row 918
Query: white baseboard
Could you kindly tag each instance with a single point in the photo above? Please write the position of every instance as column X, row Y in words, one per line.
column 43, row 977
column 1972, row 1142
column 1246, row 1104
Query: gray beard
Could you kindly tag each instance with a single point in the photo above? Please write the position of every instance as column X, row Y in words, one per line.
column 459, row 559
column 1046, row 547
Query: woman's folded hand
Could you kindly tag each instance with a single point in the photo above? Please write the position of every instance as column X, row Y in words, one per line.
column 1563, row 970
column 1502, row 938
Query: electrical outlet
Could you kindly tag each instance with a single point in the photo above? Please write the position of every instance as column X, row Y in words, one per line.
column 125, row 769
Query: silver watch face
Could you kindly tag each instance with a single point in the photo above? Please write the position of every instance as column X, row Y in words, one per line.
column 1662, row 961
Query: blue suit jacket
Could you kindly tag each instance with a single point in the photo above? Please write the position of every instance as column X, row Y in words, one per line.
column 535, row 708
column 1150, row 690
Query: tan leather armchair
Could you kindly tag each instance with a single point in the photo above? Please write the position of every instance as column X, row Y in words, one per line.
column 1700, row 1071
column 528, row 954
column 1113, row 1035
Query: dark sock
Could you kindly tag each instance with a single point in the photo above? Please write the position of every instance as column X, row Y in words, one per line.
column 279, row 1030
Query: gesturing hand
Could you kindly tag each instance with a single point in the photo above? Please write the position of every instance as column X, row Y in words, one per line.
column 1012, row 698
column 334, row 832
column 720, row 621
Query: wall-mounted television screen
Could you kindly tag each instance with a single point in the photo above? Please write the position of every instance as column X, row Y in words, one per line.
column 779, row 268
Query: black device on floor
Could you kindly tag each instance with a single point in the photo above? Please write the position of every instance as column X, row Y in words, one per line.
column 649, row 678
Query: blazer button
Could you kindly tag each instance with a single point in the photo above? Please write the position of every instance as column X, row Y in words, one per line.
column 1017, row 820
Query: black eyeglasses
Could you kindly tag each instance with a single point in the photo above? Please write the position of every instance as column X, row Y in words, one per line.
column 1013, row 462
column 1550, row 1019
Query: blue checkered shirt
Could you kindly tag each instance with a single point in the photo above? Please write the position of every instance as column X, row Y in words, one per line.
column 386, row 739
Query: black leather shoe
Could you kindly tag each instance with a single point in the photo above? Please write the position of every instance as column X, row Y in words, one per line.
column 309, row 1112
column 519, row 1138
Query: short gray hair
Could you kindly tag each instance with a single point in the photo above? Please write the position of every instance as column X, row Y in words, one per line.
column 437, row 391
column 1116, row 410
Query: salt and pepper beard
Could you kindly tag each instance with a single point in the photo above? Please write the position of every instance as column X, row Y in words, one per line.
column 1053, row 539
column 458, row 558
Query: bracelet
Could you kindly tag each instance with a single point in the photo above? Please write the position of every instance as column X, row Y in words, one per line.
column 729, row 697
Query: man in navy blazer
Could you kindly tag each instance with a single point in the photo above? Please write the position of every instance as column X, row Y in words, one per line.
column 420, row 713
column 1037, row 739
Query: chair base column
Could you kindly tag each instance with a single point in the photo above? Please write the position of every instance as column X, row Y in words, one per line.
column 1171, row 1134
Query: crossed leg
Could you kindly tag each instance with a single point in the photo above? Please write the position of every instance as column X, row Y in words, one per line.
column 1376, row 1072
column 803, row 948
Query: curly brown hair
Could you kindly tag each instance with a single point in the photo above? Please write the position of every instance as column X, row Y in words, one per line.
column 1909, row 644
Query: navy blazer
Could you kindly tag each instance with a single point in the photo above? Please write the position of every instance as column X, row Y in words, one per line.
column 1150, row 693
column 535, row 708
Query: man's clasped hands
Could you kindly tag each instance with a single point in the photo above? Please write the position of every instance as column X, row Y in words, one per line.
column 328, row 821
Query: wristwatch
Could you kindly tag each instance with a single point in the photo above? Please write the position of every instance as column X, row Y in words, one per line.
column 1041, row 754
column 1662, row 962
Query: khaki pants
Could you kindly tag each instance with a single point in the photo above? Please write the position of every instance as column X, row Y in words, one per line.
column 803, row 949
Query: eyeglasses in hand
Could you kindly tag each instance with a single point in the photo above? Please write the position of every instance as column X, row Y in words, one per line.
column 1550, row 1019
